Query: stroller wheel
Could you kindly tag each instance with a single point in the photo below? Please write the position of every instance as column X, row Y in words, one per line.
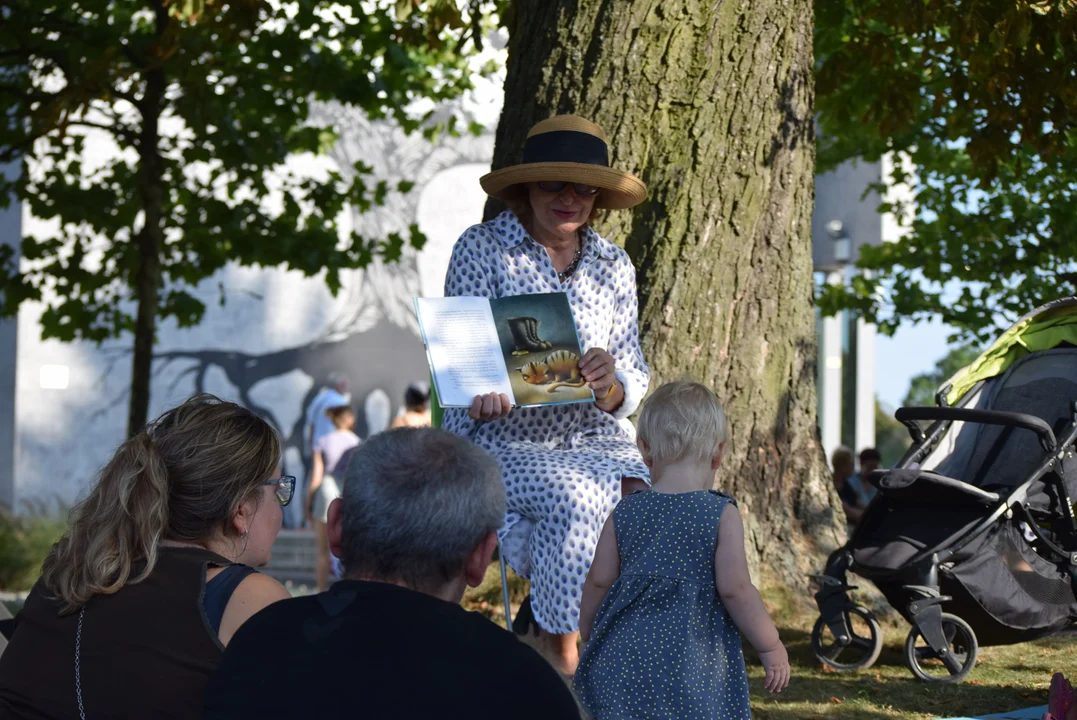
column 858, row 651
column 927, row 665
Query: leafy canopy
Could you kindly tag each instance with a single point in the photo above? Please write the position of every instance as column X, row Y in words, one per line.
column 206, row 101
column 982, row 97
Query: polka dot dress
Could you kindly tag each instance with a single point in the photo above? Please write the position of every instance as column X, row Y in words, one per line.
column 663, row 645
column 562, row 465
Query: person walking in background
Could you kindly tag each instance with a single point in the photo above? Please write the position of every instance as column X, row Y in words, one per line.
column 324, row 488
column 416, row 407
column 668, row 594
column 317, row 424
column 869, row 463
column 841, row 460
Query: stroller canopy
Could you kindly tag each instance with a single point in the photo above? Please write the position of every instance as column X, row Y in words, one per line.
column 1030, row 369
column 1046, row 327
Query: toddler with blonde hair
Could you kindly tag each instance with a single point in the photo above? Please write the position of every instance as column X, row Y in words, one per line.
column 669, row 594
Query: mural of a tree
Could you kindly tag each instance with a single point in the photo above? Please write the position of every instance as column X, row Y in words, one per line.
column 384, row 289
column 372, row 335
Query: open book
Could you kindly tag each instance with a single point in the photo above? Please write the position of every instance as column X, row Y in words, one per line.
column 525, row 346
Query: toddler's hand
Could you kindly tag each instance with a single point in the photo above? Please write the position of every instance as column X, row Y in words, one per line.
column 776, row 663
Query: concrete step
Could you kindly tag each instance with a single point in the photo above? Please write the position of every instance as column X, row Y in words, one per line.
column 293, row 557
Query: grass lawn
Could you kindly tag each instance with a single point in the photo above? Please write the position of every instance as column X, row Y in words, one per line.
column 1005, row 678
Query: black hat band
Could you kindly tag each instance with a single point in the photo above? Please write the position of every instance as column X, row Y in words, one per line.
column 566, row 146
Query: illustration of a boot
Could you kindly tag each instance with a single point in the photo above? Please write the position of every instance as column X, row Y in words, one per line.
column 521, row 338
column 532, row 332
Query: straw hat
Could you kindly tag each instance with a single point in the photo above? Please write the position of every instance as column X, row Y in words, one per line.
column 570, row 149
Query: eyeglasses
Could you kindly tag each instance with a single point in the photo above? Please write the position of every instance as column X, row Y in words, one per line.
column 285, row 488
column 556, row 186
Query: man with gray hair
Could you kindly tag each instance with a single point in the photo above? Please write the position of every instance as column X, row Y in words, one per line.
column 416, row 524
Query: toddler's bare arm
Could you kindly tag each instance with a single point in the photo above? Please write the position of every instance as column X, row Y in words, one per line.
column 604, row 571
column 743, row 602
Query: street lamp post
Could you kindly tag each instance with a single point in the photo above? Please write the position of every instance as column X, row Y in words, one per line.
column 843, row 245
column 861, row 356
column 830, row 379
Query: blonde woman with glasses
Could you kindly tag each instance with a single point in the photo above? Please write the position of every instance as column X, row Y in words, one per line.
column 156, row 573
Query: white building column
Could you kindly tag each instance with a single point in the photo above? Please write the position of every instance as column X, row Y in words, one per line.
column 864, row 432
column 830, row 353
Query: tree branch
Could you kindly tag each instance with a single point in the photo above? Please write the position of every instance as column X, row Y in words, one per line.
column 116, row 92
column 129, row 135
column 135, row 59
column 23, row 93
column 11, row 153
column 29, row 52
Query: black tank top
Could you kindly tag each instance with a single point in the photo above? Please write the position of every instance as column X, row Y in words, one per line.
column 146, row 651
column 219, row 591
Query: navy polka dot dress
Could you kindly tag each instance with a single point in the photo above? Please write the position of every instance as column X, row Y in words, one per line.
column 562, row 465
column 663, row 645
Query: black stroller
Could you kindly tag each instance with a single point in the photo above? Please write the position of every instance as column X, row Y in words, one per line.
column 971, row 536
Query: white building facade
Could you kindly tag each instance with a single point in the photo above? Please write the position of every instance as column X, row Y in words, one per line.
column 845, row 219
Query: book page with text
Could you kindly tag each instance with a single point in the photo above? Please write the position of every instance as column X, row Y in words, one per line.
column 463, row 348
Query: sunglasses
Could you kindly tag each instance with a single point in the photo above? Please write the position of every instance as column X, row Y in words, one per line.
column 285, row 488
column 556, row 186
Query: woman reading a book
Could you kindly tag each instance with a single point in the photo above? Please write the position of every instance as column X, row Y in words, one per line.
column 565, row 466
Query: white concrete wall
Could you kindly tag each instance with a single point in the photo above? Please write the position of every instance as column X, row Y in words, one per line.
column 840, row 195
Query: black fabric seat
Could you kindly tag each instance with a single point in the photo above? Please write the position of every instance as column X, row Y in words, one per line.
column 928, row 487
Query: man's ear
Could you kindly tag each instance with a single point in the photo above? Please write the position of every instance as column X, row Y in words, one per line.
column 479, row 560
column 334, row 526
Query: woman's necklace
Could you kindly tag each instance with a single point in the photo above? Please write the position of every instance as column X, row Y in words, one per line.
column 568, row 271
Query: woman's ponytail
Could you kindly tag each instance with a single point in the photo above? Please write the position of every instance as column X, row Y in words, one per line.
column 114, row 532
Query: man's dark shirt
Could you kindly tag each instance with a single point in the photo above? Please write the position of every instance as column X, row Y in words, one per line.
column 373, row 650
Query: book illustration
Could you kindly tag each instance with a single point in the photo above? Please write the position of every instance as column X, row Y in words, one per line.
column 524, row 346
column 525, row 335
column 560, row 369
column 541, row 348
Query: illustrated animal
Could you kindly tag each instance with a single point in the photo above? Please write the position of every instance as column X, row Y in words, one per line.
column 559, row 369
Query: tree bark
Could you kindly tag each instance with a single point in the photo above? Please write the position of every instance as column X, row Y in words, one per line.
column 149, row 241
column 710, row 103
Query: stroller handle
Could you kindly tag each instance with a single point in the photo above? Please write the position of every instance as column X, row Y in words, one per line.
column 910, row 415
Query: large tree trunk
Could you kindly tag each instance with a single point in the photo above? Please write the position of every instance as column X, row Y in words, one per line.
column 710, row 103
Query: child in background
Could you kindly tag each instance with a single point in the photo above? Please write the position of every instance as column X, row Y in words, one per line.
column 416, row 407
column 324, row 488
column 668, row 593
